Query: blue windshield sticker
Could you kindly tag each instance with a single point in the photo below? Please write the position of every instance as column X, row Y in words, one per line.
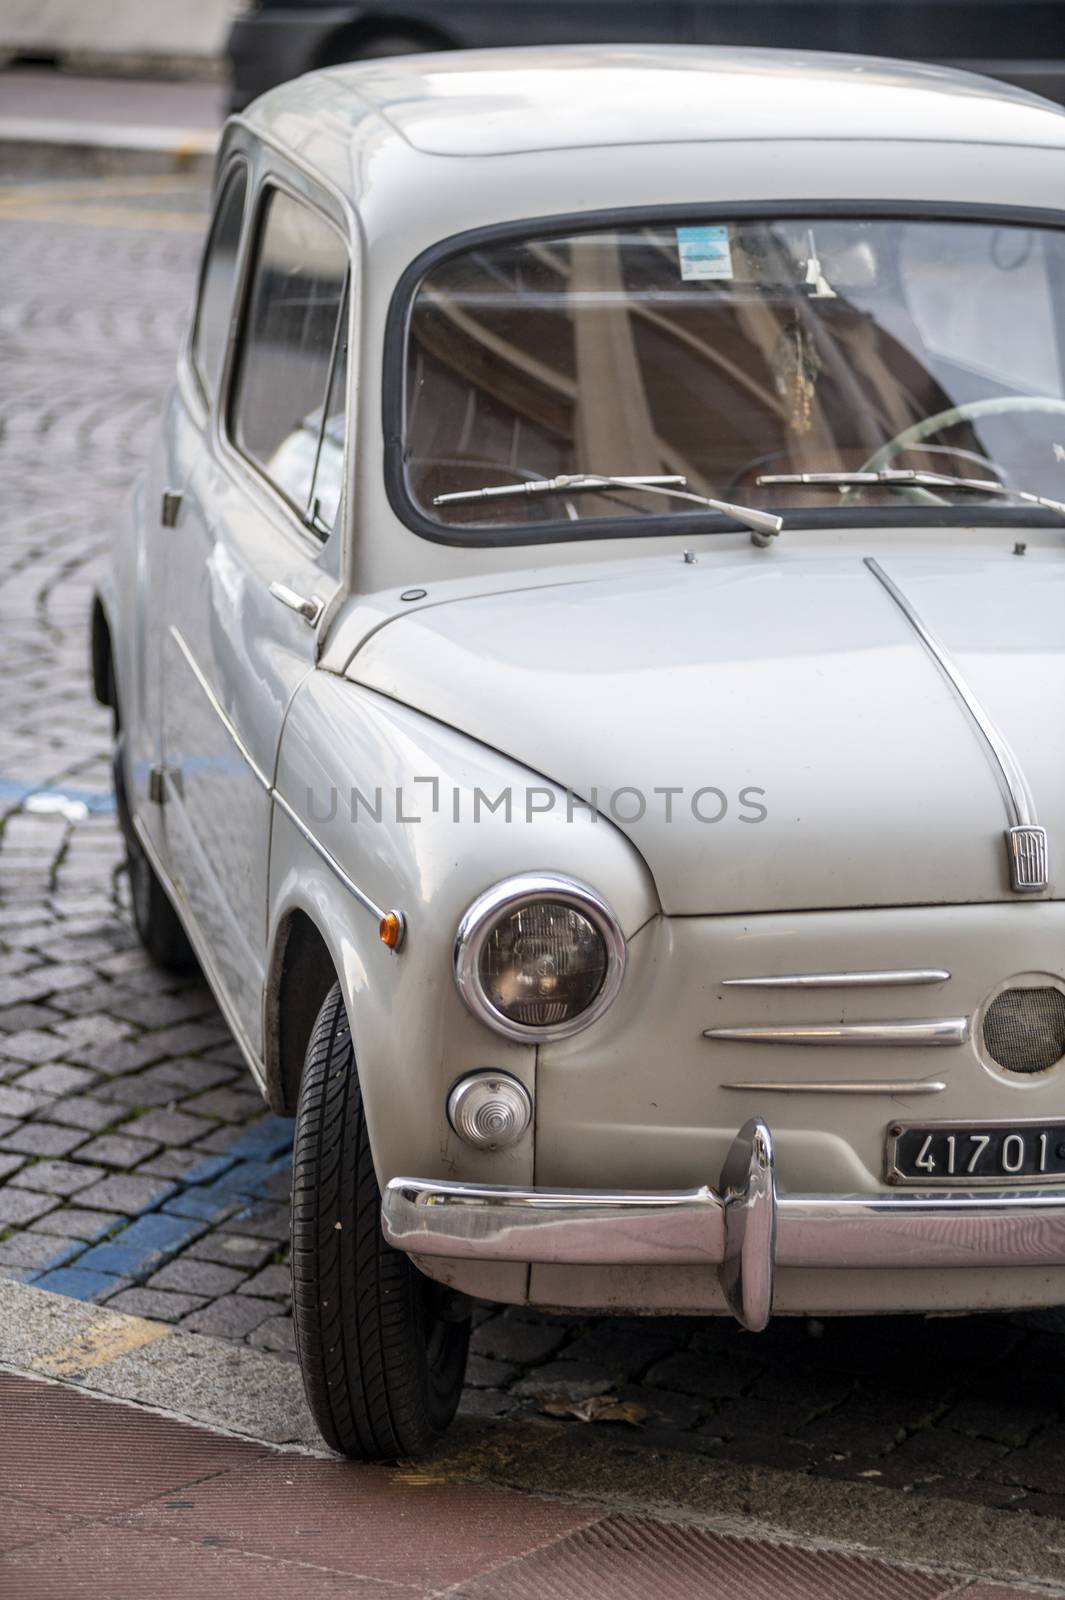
column 704, row 252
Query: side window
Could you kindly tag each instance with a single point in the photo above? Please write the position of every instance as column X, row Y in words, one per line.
column 287, row 412
column 216, row 282
column 329, row 472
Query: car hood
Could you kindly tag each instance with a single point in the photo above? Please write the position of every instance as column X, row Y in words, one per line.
column 785, row 695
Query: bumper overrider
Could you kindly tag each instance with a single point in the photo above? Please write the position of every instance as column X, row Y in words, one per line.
column 744, row 1228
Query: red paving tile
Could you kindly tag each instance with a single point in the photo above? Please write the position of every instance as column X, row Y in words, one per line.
column 189, row 1513
column 107, row 1563
column 367, row 1520
column 100, row 1456
column 22, row 1523
column 630, row 1558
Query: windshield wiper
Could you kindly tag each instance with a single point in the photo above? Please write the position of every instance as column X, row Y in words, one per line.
column 897, row 478
column 762, row 525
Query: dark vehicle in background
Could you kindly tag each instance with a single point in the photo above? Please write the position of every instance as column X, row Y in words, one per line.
column 1019, row 40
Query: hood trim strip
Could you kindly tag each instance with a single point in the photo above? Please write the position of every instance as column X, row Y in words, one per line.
column 890, row 1086
column 889, row 978
column 1026, row 841
column 931, row 1032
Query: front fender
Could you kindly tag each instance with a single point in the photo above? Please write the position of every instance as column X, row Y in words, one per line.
column 413, row 1034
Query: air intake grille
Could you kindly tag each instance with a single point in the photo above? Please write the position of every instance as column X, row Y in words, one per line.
column 1024, row 1029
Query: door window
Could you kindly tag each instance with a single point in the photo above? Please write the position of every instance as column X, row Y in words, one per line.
column 211, row 327
column 288, row 399
column 329, row 470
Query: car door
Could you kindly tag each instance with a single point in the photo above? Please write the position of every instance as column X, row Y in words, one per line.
column 157, row 504
column 252, row 567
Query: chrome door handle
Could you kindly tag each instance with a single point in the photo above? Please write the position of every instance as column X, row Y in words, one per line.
column 309, row 608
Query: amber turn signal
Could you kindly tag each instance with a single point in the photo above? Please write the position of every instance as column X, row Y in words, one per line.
column 390, row 928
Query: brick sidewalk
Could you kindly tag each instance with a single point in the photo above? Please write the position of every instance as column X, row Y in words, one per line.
column 129, row 1128
column 123, row 1503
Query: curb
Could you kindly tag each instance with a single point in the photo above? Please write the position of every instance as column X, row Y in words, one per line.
column 249, row 1394
column 104, row 147
column 191, row 1376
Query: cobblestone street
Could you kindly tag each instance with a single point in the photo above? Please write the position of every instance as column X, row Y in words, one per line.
column 138, row 1166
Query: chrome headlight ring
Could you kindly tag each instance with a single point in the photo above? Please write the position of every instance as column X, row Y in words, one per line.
column 502, row 900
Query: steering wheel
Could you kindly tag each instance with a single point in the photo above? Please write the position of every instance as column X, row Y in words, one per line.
column 971, row 411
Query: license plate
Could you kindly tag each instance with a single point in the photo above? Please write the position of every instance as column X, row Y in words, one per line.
column 964, row 1154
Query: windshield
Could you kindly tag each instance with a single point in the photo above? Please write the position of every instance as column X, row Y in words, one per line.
column 730, row 351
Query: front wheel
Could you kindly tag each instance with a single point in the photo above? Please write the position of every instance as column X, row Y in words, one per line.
column 382, row 1348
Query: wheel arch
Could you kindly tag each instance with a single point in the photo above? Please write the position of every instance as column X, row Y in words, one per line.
column 301, row 971
column 102, row 656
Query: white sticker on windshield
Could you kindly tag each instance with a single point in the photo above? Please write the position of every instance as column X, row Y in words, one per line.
column 704, row 252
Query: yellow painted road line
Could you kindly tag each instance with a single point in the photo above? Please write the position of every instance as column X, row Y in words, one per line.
column 110, row 1335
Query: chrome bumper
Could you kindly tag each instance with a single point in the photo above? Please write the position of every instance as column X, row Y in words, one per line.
column 744, row 1228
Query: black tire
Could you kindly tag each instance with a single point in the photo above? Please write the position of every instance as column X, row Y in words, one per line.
column 391, row 44
column 346, row 47
column 382, row 1348
column 157, row 923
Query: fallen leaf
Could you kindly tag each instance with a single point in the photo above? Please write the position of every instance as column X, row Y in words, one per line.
column 596, row 1408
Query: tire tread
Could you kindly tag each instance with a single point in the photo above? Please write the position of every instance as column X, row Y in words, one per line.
column 358, row 1305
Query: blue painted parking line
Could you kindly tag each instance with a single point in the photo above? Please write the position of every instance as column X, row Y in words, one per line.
column 142, row 1247
column 207, row 1170
column 65, row 1253
column 252, row 1179
column 71, row 1249
column 107, row 1224
column 221, row 1187
column 13, row 792
column 271, row 1138
column 206, row 1202
column 78, row 1283
column 95, row 802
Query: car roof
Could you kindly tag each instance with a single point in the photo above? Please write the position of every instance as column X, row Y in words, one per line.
column 478, row 103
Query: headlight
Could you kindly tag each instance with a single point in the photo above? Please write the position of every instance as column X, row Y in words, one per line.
column 539, row 957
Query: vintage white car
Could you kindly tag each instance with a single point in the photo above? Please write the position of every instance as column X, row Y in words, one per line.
column 587, row 662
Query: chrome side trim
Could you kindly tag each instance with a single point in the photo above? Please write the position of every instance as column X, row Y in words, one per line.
column 1027, row 842
column 934, row 1032
column 745, row 1228
column 219, row 709
column 330, row 860
column 891, row 1086
column 891, row 978
column 203, row 954
column 320, row 850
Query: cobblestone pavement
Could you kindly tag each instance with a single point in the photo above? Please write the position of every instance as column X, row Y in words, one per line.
column 137, row 1164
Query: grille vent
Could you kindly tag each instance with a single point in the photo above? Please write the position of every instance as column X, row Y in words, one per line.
column 1024, row 1029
